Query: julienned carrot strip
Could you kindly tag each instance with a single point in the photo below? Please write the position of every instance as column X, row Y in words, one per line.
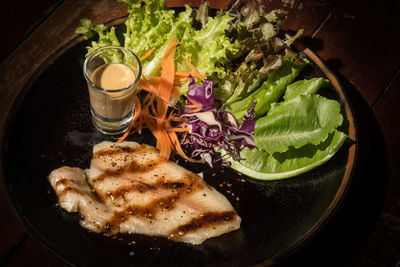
column 184, row 135
column 180, row 80
column 151, row 87
column 178, row 129
column 177, row 80
column 177, row 119
column 137, row 111
column 196, row 107
column 147, row 86
column 178, row 148
column 167, row 74
column 194, row 72
column 165, row 88
column 153, row 112
column 175, row 91
column 147, row 54
column 182, row 73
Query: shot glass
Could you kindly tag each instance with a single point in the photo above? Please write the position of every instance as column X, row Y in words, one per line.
column 112, row 74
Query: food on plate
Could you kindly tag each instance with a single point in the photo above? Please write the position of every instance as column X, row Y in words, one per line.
column 234, row 94
column 296, row 135
column 129, row 188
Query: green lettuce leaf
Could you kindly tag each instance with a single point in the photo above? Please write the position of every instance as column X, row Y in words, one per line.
column 305, row 87
column 297, row 122
column 106, row 36
column 154, row 26
column 270, row 91
column 259, row 164
column 210, row 55
column 202, row 14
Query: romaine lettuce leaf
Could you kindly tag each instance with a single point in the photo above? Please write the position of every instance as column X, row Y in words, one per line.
column 297, row 122
column 305, row 87
column 259, row 164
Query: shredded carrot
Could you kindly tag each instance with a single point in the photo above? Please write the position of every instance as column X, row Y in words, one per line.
column 138, row 109
column 177, row 145
column 194, row 72
column 175, row 91
column 153, row 113
column 151, row 86
column 147, row 54
column 182, row 73
column 195, row 106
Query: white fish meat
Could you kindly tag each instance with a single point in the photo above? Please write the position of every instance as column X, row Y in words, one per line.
column 129, row 188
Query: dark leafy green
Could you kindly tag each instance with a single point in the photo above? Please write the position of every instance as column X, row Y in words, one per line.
column 270, row 91
column 260, row 51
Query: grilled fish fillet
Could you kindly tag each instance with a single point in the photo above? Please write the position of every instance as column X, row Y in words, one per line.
column 129, row 188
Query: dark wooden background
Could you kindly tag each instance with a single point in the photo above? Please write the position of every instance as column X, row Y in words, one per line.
column 358, row 39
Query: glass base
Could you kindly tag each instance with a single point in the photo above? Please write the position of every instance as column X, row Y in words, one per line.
column 111, row 126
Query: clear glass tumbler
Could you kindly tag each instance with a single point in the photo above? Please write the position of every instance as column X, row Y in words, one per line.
column 112, row 74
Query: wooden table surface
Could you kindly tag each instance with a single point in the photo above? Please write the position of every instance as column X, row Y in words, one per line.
column 358, row 41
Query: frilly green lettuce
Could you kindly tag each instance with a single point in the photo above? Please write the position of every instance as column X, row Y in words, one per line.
column 106, row 36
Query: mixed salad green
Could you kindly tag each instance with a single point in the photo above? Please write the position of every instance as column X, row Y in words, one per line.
column 255, row 116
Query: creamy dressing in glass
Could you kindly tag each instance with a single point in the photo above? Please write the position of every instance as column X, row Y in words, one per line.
column 111, row 77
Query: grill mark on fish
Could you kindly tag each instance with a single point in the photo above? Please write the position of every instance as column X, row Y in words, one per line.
column 191, row 183
column 69, row 189
column 206, row 220
column 176, row 188
column 122, row 191
column 68, row 182
column 133, row 168
column 148, row 211
column 117, row 150
column 62, row 181
column 96, row 194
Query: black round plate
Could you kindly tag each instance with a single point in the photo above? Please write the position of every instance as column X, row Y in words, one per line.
column 49, row 126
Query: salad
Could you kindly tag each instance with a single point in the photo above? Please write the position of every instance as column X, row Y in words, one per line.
column 226, row 89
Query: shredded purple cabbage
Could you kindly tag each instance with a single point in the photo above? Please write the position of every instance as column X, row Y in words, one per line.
column 202, row 94
column 213, row 127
